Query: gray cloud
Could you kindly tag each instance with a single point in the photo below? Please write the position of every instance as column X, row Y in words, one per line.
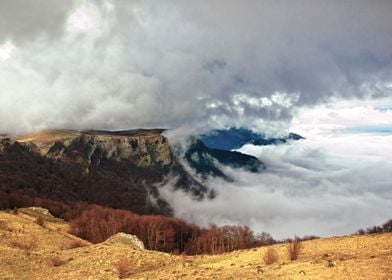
column 22, row 20
column 201, row 64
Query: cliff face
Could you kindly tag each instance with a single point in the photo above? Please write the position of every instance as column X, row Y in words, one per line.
column 117, row 169
column 121, row 169
column 146, row 148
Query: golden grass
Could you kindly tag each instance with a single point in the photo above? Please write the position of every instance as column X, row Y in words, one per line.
column 348, row 257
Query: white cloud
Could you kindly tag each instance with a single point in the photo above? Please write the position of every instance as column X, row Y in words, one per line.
column 333, row 182
column 325, row 187
column 341, row 115
column 6, row 50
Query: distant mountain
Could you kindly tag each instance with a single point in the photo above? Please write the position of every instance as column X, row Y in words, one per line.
column 205, row 161
column 235, row 138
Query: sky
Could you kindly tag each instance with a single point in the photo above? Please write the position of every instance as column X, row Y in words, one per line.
column 318, row 68
column 126, row 64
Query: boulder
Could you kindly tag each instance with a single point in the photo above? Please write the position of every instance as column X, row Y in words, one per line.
column 127, row 239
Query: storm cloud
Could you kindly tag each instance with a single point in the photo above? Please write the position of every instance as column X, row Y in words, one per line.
column 202, row 64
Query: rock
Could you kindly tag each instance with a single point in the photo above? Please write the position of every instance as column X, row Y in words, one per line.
column 41, row 211
column 127, row 239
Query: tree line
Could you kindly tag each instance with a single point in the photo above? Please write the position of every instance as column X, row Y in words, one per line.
column 97, row 223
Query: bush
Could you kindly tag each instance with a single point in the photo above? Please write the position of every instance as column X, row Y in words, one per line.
column 387, row 227
column 56, row 261
column 3, row 225
column 26, row 245
column 184, row 259
column 76, row 244
column 40, row 221
column 270, row 256
column 294, row 248
column 125, row 267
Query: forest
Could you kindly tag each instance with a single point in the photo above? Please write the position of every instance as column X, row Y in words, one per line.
column 97, row 223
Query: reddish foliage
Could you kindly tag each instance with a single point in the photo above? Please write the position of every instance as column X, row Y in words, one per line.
column 98, row 223
column 66, row 211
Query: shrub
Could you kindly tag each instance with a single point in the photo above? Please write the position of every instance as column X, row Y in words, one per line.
column 76, row 244
column 56, row 261
column 26, row 245
column 294, row 248
column 270, row 256
column 387, row 227
column 40, row 221
column 184, row 258
column 3, row 225
column 125, row 267
column 361, row 232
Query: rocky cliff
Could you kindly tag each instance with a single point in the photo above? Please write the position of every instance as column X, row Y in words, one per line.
column 118, row 169
column 143, row 148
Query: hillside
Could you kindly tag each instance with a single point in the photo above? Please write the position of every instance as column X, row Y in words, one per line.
column 57, row 255
column 117, row 169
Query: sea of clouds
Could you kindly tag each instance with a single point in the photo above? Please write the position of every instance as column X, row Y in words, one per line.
column 331, row 183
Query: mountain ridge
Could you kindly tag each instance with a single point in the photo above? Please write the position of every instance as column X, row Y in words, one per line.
column 234, row 138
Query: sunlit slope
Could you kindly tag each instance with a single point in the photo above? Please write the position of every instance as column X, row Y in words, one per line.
column 352, row 257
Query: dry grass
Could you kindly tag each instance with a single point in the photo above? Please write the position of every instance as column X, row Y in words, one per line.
column 294, row 248
column 349, row 257
column 270, row 256
column 125, row 267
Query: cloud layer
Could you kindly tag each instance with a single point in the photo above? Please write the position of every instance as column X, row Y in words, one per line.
column 123, row 64
column 329, row 187
column 334, row 182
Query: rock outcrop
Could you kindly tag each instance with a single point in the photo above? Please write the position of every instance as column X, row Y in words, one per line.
column 142, row 148
column 40, row 211
column 126, row 239
column 117, row 169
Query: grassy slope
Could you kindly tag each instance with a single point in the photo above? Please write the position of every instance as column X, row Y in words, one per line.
column 351, row 257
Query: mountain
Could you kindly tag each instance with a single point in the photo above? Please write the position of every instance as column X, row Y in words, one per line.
column 235, row 138
column 205, row 161
column 118, row 169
